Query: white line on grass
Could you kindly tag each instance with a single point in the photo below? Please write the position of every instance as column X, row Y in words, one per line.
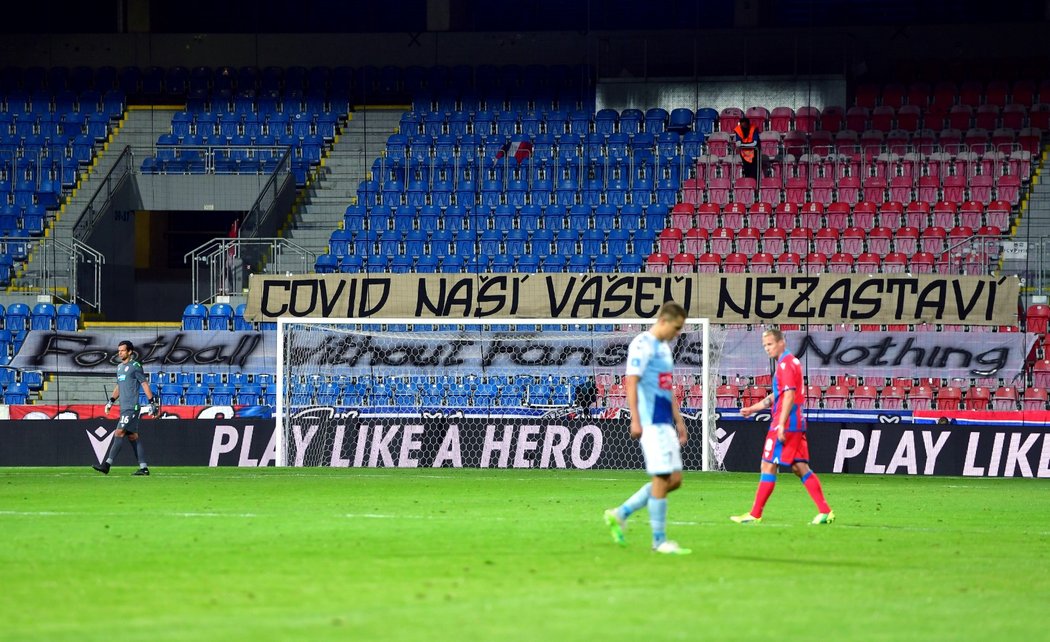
column 47, row 513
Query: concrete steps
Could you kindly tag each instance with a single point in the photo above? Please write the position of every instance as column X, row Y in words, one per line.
column 362, row 140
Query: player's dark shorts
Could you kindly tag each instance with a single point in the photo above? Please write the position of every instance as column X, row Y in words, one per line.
column 795, row 448
column 129, row 421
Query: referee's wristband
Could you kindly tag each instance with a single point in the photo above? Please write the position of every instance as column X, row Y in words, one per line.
column 112, row 400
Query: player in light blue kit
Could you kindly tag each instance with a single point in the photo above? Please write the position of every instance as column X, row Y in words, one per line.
column 657, row 423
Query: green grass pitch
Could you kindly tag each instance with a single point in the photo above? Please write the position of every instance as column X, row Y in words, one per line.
column 322, row 554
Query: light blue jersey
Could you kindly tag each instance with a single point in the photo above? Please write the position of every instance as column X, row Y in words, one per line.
column 652, row 361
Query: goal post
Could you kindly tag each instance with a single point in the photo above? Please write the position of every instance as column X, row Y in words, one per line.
column 476, row 392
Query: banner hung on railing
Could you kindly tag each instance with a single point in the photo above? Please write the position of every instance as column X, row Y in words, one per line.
column 724, row 298
column 177, row 351
column 952, row 355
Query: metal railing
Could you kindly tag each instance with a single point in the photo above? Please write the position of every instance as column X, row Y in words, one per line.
column 221, row 266
column 69, row 271
column 99, row 203
column 268, row 199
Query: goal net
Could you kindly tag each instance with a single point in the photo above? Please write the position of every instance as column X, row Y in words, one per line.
column 518, row 393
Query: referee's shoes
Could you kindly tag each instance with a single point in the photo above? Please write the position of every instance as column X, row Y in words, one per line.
column 102, row 467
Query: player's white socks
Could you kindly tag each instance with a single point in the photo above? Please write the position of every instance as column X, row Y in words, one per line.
column 636, row 501
column 658, row 519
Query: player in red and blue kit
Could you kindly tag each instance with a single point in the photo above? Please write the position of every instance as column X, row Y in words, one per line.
column 785, row 443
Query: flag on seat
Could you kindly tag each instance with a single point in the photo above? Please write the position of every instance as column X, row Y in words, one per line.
column 519, row 149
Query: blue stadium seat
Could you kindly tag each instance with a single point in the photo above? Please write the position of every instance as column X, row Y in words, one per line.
column 193, row 316
column 329, row 394
column 240, row 324
column 16, row 393
column 17, row 317
column 43, row 317
column 223, row 395
column 196, row 395
column 170, row 394
column 326, row 264
column 680, row 120
column 220, row 316
column 706, row 119
column 249, row 395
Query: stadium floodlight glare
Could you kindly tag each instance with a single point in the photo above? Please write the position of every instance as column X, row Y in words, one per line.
column 339, row 375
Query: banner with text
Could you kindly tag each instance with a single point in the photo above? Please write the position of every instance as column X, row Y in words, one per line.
column 573, row 443
column 89, row 351
column 723, row 298
column 949, row 355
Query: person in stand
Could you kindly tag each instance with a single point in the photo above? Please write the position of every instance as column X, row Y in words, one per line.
column 657, row 423
column 746, row 136
column 130, row 378
column 785, row 443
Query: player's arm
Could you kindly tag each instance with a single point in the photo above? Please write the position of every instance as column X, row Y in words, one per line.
column 782, row 421
column 679, row 421
column 630, row 384
column 765, row 402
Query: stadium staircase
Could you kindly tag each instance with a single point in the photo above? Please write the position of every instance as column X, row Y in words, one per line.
column 1035, row 224
column 137, row 129
column 345, row 166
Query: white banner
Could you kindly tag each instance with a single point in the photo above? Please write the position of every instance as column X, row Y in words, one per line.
column 87, row 351
column 949, row 355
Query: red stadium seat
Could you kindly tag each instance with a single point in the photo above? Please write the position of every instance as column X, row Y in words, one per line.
column 695, row 241
column 800, row 240
column 761, row 263
column 837, row 215
column 658, row 262
column 949, row 398
column 879, row 240
column 747, row 240
column 835, row 397
column 733, row 215
column 815, row 263
column 840, row 263
column 1005, row 398
column 864, row 215
column 1038, row 316
column 978, row 398
column 922, row 263
column 727, row 396
column 1034, row 399
column 853, row 239
column 753, row 394
column 683, row 216
column 867, row 263
column 707, row 216
column 708, row 263
column 917, row 214
column 920, row 398
column 892, row 398
column 895, row 263
column 906, row 240
column 789, row 263
column 670, row 241
column 760, row 216
column 774, row 241
column 864, row 397
column 735, row 263
column 826, row 241
column 721, row 241
column 683, row 263
column 813, row 396
column 1041, row 373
